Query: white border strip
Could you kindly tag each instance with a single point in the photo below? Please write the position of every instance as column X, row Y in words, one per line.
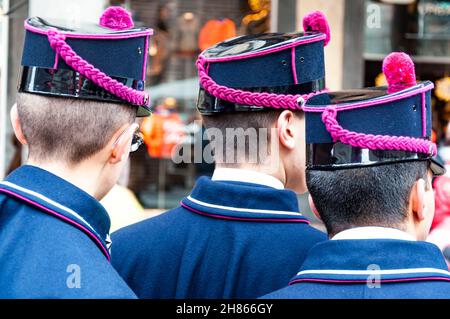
column 246, row 210
column 48, row 200
column 374, row 272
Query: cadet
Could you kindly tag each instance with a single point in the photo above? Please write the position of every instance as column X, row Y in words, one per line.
column 239, row 234
column 369, row 172
column 79, row 125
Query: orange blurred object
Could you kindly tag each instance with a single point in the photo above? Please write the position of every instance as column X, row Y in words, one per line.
column 433, row 136
column 163, row 130
column 215, row 31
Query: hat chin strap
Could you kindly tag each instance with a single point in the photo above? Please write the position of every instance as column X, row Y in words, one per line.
column 374, row 142
column 58, row 43
column 277, row 101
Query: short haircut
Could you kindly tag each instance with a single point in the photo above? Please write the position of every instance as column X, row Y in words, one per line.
column 68, row 129
column 366, row 196
column 246, row 122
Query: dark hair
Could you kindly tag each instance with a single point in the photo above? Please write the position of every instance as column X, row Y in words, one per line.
column 68, row 129
column 366, row 196
column 245, row 122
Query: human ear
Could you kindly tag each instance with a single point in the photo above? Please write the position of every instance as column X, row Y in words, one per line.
column 17, row 127
column 417, row 200
column 313, row 207
column 286, row 129
column 121, row 143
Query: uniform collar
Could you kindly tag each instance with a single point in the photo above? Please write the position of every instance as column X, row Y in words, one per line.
column 246, row 176
column 61, row 199
column 243, row 201
column 373, row 232
column 385, row 260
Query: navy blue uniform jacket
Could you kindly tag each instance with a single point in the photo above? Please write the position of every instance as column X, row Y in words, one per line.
column 225, row 240
column 53, row 240
column 370, row 268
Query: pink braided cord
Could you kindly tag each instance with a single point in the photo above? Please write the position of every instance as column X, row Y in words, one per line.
column 58, row 43
column 277, row 101
column 374, row 142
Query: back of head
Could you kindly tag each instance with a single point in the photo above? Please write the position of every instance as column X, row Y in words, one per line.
column 365, row 196
column 242, row 137
column 370, row 155
column 69, row 130
column 246, row 82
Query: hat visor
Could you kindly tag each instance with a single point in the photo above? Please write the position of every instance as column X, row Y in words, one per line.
column 143, row 111
column 437, row 168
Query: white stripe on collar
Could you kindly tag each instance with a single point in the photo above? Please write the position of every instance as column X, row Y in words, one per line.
column 373, row 272
column 246, row 176
column 51, row 202
column 246, row 210
column 373, row 232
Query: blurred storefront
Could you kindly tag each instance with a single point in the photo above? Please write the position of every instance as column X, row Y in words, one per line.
column 363, row 32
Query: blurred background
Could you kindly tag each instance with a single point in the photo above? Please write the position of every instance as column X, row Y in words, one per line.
column 362, row 33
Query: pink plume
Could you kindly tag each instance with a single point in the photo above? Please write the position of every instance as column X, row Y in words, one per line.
column 316, row 21
column 398, row 68
column 116, row 18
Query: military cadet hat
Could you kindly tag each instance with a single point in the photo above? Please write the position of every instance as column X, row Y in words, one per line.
column 270, row 70
column 375, row 125
column 104, row 61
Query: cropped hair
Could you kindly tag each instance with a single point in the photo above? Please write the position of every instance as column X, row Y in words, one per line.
column 366, row 196
column 68, row 129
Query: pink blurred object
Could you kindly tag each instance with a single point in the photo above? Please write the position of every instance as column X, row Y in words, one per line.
column 398, row 68
column 440, row 228
column 440, row 235
column 442, row 200
column 116, row 18
column 316, row 21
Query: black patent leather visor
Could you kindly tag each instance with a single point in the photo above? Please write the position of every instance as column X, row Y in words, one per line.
column 69, row 83
column 255, row 43
column 335, row 156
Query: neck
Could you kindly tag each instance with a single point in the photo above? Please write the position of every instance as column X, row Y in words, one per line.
column 278, row 174
column 372, row 231
column 85, row 176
